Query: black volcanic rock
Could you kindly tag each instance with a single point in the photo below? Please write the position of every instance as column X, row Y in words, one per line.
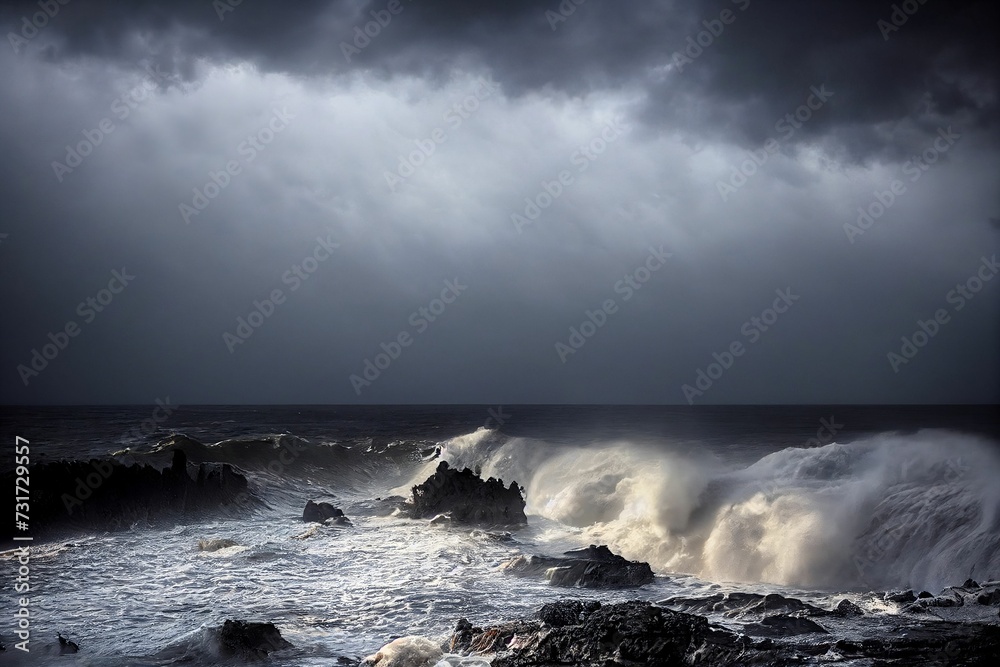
column 320, row 512
column 66, row 646
column 107, row 495
column 847, row 608
column 467, row 498
column 739, row 605
column 588, row 634
column 904, row 597
column 249, row 640
column 781, row 625
column 593, row 567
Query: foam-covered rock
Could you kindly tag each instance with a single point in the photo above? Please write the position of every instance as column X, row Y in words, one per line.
column 406, row 652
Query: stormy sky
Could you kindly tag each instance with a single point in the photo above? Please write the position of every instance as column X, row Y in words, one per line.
column 713, row 201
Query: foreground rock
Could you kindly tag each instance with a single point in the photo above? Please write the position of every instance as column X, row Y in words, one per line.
column 249, row 641
column 107, row 495
column 323, row 512
column 593, row 567
column 466, row 498
column 589, row 634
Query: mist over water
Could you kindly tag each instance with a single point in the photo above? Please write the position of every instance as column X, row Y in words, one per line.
column 915, row 510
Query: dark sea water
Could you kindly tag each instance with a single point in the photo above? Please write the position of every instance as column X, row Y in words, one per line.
column 817, row 502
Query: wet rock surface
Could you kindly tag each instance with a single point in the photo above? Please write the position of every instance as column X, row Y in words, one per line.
column 324, row 512
column 249, row 641
column 593, row 567
column 738, row 605
column 467, row 499
column 587, row 633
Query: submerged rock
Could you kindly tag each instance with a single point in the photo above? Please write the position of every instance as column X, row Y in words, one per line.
column 66, row 646
column 215, row 545
column 321, row 512
column 593, row 567
column 107, row 495
column 249, row 640
column 466, row 498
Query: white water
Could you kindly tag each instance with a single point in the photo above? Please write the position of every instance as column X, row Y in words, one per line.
column 907, row 511
column 902, row 511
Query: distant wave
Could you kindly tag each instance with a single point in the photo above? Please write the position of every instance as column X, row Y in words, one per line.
column 892, row 510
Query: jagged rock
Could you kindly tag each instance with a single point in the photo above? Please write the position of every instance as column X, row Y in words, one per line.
column 66, row 646
column 593, row 567
column 566, row 612
column 618, row 634
column 249, row 640
column 991, row 598
column 781, row 625
column 588, row 634
column 107, row 495
column 321, row 512
column 847, row 608
column 406, row 652
column 738, row 605
column 901, row 598
column 924, row 594
column 467, row 499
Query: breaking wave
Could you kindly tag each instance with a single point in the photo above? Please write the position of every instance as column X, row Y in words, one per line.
column 891, row 510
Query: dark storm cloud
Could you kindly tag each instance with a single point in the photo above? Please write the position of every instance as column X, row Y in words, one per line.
column 928, row 63
column 657, row 185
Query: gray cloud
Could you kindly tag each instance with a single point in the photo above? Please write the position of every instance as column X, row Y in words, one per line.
column 324, row 175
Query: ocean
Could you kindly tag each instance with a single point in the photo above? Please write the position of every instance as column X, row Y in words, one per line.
column 820, row 503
